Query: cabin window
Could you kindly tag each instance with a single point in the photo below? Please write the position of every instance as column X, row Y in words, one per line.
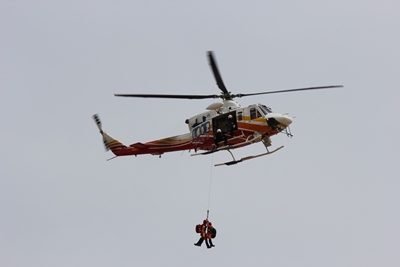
column 201, row 129
column 195, row 132
column 254, row 113
column 240, row 115
column 205, row 127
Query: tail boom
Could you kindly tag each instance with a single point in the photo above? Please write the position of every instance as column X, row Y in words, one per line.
column 157, row 147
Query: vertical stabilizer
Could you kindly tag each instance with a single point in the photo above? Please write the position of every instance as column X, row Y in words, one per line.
column 108, row 141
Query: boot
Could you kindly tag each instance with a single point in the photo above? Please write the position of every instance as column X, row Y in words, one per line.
column 199, row 242
column 211, row 243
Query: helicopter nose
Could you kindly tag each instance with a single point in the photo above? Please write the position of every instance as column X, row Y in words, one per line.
column 285, row 120
column 282, row 119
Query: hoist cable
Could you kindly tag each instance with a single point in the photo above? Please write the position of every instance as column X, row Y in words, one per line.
column 209, row 188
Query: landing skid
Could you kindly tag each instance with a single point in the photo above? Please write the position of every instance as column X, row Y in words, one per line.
column 234, row 161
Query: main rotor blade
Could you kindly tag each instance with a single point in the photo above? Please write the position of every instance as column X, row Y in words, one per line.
column 168, row 96
column 289, row 90
column 217, row 76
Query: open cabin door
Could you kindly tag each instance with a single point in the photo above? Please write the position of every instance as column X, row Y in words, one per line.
column 224, row 123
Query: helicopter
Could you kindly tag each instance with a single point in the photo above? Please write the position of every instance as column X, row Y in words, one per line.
column 224, row 126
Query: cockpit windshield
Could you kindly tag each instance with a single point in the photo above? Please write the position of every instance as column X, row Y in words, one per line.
column 264, row 109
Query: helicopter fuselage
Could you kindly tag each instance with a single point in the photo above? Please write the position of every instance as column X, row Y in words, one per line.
column 239, row 126
column 248, row 122
column 224, row 126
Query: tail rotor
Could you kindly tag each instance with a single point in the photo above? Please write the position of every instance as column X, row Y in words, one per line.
column 97, row 120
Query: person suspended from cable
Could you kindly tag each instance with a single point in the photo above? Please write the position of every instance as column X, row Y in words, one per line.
column 202, row 230
column 211, row 233
column 207, row 232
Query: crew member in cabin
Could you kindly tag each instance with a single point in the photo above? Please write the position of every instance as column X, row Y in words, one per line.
column 219, row 137
column 231, row 125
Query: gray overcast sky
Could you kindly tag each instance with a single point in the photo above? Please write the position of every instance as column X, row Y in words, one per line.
column 329, row 198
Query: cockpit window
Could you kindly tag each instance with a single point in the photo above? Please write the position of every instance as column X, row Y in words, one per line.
column 265, row 109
